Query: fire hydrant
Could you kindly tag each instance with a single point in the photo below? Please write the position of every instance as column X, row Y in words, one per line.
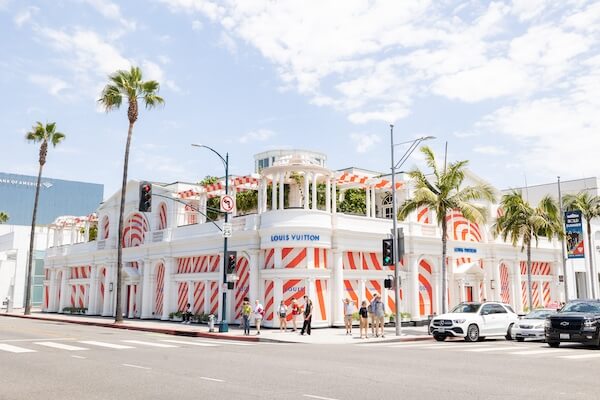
column 211, row 323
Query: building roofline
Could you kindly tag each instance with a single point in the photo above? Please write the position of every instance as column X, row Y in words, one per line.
column 550, row 183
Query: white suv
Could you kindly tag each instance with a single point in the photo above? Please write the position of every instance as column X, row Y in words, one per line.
column 474, row 322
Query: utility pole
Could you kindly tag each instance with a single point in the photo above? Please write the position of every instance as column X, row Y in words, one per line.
column 397, row 320
column 224, row 327
column 562, row 242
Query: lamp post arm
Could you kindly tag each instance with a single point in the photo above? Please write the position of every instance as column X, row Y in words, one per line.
column 214, row 151
column 408, row 152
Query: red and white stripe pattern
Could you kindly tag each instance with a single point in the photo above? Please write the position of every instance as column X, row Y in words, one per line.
column 213, row 264
column 537, row 268
column 320, row 309
column 199, row 290
column 81, row 272
column 186, row 194
column 535, row 294
column 320, row 258
column 269, row 299
column 45, row 299
column 351, row 260
column 481, row 297
column 425, row 288
column 82, row 300
column 73, row 294
column 385, row 184
column 269, row 259
column 293, row 289
column 242, row 286
column 459, row 228
column 504, row 284
column 182, row 296
column 162, row 216
column 293, row 257
column 347, row 178
column 214, row 297
column 352, row 290
column 391, row 300
column 102, row 282
column 524, row 297
column 546, row 295
column 191, row 213
column 159, row 290
column 371, row 262
column 372, row 288
column 105, row 227
column 424, row 215
column 135, row 230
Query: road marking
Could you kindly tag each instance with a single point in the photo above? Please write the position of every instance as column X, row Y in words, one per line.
column 60, row 346
column 540, row 351
column 227, row 342
column 413, row 346
column 79, row 357
column 582, row 356
column 14, row 349
column 32, row 340
column 109, row 345
column 503, row 348
column 312, row 396
column 465, row 346
column 135, row 366
column 190, row 343
column 211, row 379
column 149, row 343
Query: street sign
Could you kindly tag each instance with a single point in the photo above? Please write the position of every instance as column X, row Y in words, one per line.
column 227, row 229
column 227, row 203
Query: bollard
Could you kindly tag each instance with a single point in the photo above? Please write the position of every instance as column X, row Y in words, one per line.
column 211, row 323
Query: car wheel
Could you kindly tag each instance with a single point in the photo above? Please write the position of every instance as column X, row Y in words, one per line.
column 509, row 333
column 520, row 339
column 439, row 337
column 554, row 344
column 472, row 333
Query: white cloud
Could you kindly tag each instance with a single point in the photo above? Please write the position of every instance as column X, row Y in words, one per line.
column 197, row 25
column 152, row 71
column 25, row 15
column 111, row 11
column 259, row 135
column 364, row 141
column 490, row 150
column 227, row 43
column 53, row 85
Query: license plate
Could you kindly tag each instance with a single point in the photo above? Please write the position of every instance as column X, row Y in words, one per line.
column 441, row 330
column 565, row 336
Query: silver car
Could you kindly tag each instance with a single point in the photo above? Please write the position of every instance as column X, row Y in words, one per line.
column 531, row 326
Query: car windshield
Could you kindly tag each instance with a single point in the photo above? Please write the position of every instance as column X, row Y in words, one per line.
column 582, row 307
column 466, row 308
column 539, row 314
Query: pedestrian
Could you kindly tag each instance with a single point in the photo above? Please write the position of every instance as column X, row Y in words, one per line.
column 379, row 311
column 282, row 312
column 259, row 313
column 246, row 314
column 295, row 312
column 308, row 307
column 187, row 314
column 363, row 314
column 371, row 317
column 348, row 311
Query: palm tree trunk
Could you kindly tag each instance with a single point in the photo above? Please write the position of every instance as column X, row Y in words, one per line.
column 118, row 306
column 31, row 242
column 529, row 296
column 444, row 269
column 593, row 277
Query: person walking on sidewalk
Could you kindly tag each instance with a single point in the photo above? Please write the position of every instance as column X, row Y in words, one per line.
column 379, row 311
column 282, row 312
column 371, row 315
column 259, row 313
column 363, row 314
column 308, row 308
column 246, row 313
column 187, row 314
column 295, row 312
column 348, row 311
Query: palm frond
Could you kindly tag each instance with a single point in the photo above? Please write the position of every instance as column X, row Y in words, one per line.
column 153, row 100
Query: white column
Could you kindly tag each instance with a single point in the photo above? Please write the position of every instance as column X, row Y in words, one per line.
column 306, row 201
column 167, row 287
column 138, row 300
column 277, row 297
column 328, row 194
column 361, row 288
column 52, row 292
column 373, row 209
column 368, row 201
column 147, row 289
column 274, row 192
column 496, row 294
column 260, row 196
column 412, row 291
column 333, row 197
column 93, row 290
column 202, row 207
column 253, row 265
column 314, row 191
column 106, row 308
column 264, row 197
column 338, row 289
column 64, row 296
column 310, row 257
column 278, row 261
column 281, row 190
column 516, row 292
column 234, row 194
column 437, row 293
column 206, row 297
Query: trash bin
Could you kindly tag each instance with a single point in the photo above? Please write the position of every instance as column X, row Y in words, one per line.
column 211, row 323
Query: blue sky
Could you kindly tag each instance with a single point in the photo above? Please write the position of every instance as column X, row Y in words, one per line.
column 512, row 86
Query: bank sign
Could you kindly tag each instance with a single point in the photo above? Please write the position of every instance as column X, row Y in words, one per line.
column 574, row 234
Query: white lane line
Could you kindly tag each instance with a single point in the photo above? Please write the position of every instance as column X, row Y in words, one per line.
column 14, row 349
column 540, row 351
column 503, row 348
column 79, row 357
column 415, row 346
column 188, row 342
column 60, row 346
column 211, row 379
column 109, row 345
column 312, row 396
column 135, row 366
column 227, row 342
column 152, row 344
column 32, row 340
column 466, row 346
column 582, row 356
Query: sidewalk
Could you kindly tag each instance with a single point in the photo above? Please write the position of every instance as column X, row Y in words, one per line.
column 319, row 335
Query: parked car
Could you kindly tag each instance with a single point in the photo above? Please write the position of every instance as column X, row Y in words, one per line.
column 578, row 321
column 531, row 326
column 475, row 321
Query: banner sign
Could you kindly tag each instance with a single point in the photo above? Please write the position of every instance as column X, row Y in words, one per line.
column 574, row 234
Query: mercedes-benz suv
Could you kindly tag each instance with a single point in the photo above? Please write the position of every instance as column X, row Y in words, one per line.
column 578, row 321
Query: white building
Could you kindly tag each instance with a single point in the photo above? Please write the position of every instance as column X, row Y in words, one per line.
column 295, row 242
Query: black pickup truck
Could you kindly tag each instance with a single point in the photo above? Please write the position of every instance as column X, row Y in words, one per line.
column 578, row 321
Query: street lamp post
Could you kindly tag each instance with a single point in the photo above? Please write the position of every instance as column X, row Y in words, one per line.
column 562, row 242
column 223, row 327
column 413, row 145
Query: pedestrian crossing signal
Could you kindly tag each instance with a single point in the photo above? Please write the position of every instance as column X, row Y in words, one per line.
column 388, row 252
column 145, row 197
column 387, row 283
column 231, row 260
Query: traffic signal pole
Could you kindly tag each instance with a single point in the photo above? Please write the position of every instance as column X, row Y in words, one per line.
column 397, row 320
column 224, row 327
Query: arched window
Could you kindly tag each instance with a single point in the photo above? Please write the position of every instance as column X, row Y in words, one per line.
column 387, row 210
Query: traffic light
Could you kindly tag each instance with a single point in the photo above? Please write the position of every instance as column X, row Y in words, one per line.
column 388, row 252
column 145, row 197
column 387, row 283
column 231, row 260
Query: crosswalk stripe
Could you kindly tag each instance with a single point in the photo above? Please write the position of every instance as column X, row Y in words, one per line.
column 540, row 351
column 582, row 356
column 503, row 348
column 60, row 346
column 189, row 343
column 465, row 346
column 152, row 344
column 14, row 349
column 226, row 342
column 109, row 345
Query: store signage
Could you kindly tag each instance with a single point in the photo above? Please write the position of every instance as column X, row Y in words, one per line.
column 295, row 237
column 574, row 234
column 465, row 250
column 20, row 182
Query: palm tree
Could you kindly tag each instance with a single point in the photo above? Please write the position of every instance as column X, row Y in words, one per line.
column 589, row 206
column 43, row 134
column 520, row 222
column 444, row 193
column 127, row 85
column 3, row 217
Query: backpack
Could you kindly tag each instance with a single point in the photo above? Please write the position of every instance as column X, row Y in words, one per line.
column 370, row 308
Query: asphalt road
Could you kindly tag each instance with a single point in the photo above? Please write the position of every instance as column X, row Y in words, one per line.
column 49, row 360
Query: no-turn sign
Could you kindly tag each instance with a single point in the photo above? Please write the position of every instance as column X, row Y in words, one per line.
column 227, row 203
